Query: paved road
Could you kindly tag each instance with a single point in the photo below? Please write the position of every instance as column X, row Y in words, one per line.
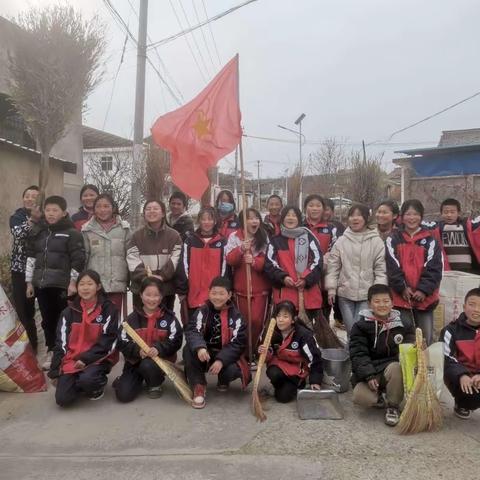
column 165, row 438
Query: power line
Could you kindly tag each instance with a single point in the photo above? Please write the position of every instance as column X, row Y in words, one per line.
column 203, row 35
column 193, row 37
column 430, row 116
column 209, row 20
column 186, row 39
column 211, row 33
column 162, row 63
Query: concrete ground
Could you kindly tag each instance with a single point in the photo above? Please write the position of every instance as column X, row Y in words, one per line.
column 167, row 439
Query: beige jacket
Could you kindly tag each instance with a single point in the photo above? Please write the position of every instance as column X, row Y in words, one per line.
column 355, row 263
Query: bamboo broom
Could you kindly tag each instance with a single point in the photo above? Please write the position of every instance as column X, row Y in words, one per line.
column 170, row 370
column 256, row 403
column 302, row 313
column 422, row 412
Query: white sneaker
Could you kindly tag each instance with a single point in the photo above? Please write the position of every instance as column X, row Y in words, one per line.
column 48, row 361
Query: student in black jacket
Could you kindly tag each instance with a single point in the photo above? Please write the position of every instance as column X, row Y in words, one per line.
column 461, row 340
column 85, row 349
column 216, row 338
column 162, row 332
column 374, row 352
column 55, row 256
column 178, row 218
column 294, row 355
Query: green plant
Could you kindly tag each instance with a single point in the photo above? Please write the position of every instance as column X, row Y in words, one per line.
column 5, row 275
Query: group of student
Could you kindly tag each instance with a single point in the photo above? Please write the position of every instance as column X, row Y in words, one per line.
column 381, row 280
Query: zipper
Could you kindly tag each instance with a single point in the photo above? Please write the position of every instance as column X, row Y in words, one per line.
column 45, row 257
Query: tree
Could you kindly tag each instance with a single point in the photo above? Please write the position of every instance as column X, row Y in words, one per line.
column 55, row 65
column 294, row 182
column 327, row 162
column 367, row 179
column 112, row 172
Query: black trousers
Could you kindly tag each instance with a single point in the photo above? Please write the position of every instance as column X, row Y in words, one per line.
column 463, row 400
column 129, row 384
column 88, row 382
column 51, row 301
column 195, row 369
column 25, row 307
column 285, row 387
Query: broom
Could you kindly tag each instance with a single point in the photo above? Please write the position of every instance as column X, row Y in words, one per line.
column 422, row 412
column 302, row 314
column 325, row 336
column 170, row 370
column 256, row 403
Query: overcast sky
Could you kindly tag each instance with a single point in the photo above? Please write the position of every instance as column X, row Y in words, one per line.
column 357, row 69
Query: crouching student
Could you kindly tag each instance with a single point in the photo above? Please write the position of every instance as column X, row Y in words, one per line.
column 293, row 356
column 374, row 353
column 216, row 338
column 461, row 346
column 86, row 337
column 162, row 332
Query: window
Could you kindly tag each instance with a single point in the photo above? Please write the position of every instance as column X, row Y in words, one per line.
column 107, row 164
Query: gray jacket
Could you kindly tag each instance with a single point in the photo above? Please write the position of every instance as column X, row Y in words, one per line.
column 355, row 263
column 107, row 253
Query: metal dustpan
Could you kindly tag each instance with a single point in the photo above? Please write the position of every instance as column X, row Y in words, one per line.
column 319, row 405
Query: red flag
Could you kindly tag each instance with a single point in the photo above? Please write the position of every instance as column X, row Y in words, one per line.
column 201, row 132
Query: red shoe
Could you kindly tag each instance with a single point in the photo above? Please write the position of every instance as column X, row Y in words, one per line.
column 199, row 394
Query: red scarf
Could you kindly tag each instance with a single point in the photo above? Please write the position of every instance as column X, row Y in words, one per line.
column 151, row 322
column 88, row 318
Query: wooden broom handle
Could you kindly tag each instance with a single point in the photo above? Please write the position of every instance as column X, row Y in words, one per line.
column 263, row 356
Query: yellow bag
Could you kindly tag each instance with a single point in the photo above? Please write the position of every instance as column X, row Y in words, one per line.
column 408, row 362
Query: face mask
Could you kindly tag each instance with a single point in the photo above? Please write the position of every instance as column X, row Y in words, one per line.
column 225, row 208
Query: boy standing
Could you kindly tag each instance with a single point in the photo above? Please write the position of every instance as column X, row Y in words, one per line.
column 55, row 257
column 374, row 349
column 461, row 347
column 216, row 339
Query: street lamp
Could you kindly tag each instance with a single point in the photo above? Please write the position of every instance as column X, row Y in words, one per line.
column 301, row 141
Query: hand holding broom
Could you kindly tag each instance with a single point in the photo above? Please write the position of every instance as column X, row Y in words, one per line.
column 170, row 370
column 256, row 403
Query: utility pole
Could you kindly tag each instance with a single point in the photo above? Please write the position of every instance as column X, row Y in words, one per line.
column 364, row 151
column 258, row 186
column 138, row 152
column 286, row 186
column 298, row 122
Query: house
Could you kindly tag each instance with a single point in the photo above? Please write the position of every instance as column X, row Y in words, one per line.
column 12, row 129
column 451, row 169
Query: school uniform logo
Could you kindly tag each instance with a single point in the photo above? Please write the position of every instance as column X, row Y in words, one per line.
column 230, row 322
column 294, row 345
column 163, row 323
column 398, row 338
column 423, row 242
column 325, row 230
column 99, row 319
column 218, row 244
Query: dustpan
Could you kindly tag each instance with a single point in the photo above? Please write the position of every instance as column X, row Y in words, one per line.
column 319, row 405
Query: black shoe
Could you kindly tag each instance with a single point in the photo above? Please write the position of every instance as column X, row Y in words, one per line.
column 392, row 416
column 96, row 395
column 154, row 392
column 222, row 388
column 462, row 413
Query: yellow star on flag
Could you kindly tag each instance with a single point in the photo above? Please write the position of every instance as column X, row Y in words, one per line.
column 202, row 125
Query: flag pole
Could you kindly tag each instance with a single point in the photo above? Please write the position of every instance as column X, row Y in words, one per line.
column 245, row 232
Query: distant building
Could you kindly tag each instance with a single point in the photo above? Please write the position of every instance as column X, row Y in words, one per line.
column 452, row 169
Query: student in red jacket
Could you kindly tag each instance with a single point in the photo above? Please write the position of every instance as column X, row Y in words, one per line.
column 85, row 349
column 202, row 259
column 162, row 332
column 294, row 263
column 461, row 347
column 227, row 220
column 88, row 194
column 414, row 269
column 272, row 219
column 251, row 250
column 294, row 355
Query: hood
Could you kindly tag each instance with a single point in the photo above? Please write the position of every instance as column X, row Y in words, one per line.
column 359, row 237
column 462, row 320
column 393, row 319
column 93, row 226
column 63, row 224
column 181, row 219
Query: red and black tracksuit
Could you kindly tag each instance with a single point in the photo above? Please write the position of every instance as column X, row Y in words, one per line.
column 81, row 217
column 90, row 338
column 471, row 230
column 461, row 347
column 160, row 330
column 280, row 263
column 200, row 262
column 224, row 334
column 272, row 225
column 228, row 225
column 291, row 360
column 261, row 288
column 415, row 262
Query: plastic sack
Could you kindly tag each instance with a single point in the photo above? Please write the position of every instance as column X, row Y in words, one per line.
column 19, row 371
column 408, row 362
